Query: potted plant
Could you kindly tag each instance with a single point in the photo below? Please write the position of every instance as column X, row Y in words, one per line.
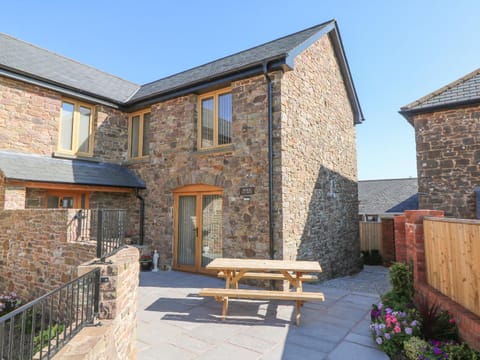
column 146, row 262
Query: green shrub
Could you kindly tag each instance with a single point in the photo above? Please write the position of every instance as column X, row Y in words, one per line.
column 461, row 352
column 414, row 347
column 401, row 295
column 42, row 339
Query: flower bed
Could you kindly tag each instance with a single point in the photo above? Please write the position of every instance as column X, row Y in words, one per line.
column 9, row 301
column 405, row 329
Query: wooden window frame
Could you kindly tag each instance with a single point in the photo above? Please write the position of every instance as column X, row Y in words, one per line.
column 77, row 197
column 76, row 128
column 141, row 114
column 215, row 95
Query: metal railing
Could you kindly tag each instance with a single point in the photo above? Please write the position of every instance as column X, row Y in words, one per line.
column 39, row 329
column 104, row 226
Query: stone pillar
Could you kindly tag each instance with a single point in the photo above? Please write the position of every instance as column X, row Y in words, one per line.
column 388, row 242
column 415, row 244
column 14, row 198
column 119, row 298
column 400, row 245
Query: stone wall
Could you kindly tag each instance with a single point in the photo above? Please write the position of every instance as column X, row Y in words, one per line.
column 2, row 190
column 35, row 111
column 175, row 162
column 35, row 257
column 14, row 197
column 318, row 164
column 448, row 157
column 115, row 336
column 126, row 201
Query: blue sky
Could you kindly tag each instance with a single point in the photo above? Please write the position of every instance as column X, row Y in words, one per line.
column 398, row 51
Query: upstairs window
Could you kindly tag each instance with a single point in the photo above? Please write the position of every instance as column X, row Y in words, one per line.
column 138, row 132
column 215, row 119
column 76, row 124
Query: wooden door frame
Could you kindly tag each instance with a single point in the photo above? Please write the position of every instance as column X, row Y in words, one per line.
column 198, row 191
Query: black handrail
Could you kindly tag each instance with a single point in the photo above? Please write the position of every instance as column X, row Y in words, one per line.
column 42, row 327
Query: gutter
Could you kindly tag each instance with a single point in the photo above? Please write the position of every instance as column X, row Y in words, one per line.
column 142, row 215
column 408, row 114
column 270, row 159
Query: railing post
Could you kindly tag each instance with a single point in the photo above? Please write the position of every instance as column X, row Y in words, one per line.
column 96, row 298
column 99, row 233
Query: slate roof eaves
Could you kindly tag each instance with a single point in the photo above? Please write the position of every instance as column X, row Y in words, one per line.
column 254, row 57
column 24, row 58
column 45, row 169
column 462, row 91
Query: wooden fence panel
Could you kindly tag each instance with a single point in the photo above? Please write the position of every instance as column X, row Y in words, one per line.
column 370, row 236
column 452, row 253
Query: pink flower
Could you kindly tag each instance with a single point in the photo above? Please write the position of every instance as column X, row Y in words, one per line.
column 452, row 321
column 397, row 329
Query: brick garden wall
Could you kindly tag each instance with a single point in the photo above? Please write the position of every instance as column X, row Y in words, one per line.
column 35, row 257
column 318, row 164
column 448, row 155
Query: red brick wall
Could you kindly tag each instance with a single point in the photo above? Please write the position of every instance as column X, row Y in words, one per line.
column 35, row 257
column 400, row 241
column 388, row 241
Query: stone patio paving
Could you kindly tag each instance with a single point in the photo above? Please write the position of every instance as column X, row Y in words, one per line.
column 175, row 323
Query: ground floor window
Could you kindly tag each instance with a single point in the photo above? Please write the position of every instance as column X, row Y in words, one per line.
column 67, row 200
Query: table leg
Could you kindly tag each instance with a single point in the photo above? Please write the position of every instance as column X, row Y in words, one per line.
column 225, row 307
column 299, row 303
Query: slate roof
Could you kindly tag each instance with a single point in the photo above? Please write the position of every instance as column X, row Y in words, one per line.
column 27, row 59
column 37, row 168
column 273, row 50
column 387, row 196
column 32, row 62
column 464, row 90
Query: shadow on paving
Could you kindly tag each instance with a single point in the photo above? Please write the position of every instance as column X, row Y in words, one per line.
column 200, row 310
column 176, row 323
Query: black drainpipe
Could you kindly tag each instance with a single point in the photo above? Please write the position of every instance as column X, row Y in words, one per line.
column 270, row 157
column 142, row 214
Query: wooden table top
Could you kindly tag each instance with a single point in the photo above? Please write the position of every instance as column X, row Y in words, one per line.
column 264, row 265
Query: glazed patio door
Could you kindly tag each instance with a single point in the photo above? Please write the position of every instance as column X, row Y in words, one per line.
column 198, row 227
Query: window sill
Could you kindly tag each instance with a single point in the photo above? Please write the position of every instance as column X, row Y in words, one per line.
column 75, row 157
column 224, row 150
column 137, row 160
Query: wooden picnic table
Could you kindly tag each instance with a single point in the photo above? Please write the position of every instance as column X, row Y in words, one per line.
column 236, row 269
column 233, row 270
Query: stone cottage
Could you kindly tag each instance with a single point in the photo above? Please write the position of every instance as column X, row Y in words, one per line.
column 252, row 155
column 447, row 130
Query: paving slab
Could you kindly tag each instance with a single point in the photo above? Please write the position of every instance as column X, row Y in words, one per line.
column 175, row 323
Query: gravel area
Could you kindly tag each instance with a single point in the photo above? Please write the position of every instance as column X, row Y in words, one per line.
column 372, row 280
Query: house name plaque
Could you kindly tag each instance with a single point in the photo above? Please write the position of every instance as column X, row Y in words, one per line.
column 247, row 190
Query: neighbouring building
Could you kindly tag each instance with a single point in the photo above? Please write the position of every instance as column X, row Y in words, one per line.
column 447, row 133
column 386, row 198
column 252, row 155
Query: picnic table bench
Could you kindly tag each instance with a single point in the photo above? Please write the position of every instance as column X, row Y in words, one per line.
column 233, row 270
